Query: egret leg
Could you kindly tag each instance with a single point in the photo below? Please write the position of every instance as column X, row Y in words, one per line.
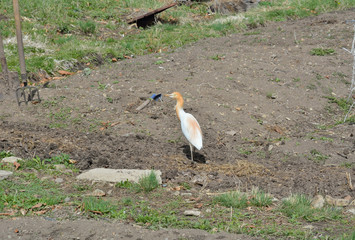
column 192, row 152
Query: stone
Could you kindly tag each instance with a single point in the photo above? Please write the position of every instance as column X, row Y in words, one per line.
column 60, row 167
column 59, row 180
column 352, row 211
column 231, row 132
column 337, row 201
column 4, row 174
column 318, row 201
column 192, row 213
column 98, row 193
column 117, row 175
column 10, row 159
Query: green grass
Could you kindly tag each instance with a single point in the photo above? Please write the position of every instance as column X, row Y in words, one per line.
column 238, row 199
column 24, row 191
column 322, row 51
column 62, row 33
column 145, row 184
column 299, row 207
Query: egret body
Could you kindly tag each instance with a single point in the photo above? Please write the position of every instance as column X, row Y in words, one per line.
column 189, row 125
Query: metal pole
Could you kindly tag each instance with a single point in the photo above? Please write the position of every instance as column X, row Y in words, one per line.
column 21, row 52
column 5, row 70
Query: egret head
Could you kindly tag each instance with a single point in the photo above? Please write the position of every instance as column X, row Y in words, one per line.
column 175, row 95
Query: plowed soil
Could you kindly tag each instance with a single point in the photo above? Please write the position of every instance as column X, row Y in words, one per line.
column 260, row 98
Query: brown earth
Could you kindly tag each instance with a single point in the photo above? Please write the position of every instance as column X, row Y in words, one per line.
column 259, row 97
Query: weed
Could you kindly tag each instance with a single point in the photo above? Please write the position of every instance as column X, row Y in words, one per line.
column 101, row 86
column 159, row 62
column 124, row 184
column 296, row 79
column 244, row 151
column 87, row 27
column 95, row 207
column 217, row 57
column 299, row 207
column 4, row 154
column 322, row 51
column 147, row 183
column 317, row 156
column 275, row 80
column 109, row 99
column 259, row 198
column 341, row 102
column 20, row 194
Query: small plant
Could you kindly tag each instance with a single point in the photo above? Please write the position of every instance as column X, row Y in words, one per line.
column 244, row 151
column 317, row 156
column 299, row 207
column 217, row 57
column 87, row 27
column 259, row 198
column 275, row 80
column 124, row 184
column 322, row 51
column 159, row 62
column 4, row 154
column 109, row 99
column 101, row 86
column 147, row 183
column 232, row 199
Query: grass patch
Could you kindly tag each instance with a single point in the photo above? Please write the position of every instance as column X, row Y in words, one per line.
column 238, row 199
column 322, row 51
column 145, row 184
column 62, row 33
column 299, row 207
column 24, row 191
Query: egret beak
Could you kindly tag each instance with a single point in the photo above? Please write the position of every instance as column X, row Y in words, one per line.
column 169, row 95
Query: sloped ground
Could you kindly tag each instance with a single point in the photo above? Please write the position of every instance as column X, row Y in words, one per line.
column 258, row 96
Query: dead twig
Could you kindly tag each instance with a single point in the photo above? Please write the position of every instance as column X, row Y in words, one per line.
column 348, row 177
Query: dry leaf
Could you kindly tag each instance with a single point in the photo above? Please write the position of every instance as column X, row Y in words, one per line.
column 17, row 165
column 7, row 214
column 72, row 161
column 16, row 231
column 38, row 205
column 65, row 73
column 40, row 212
column 114, row 59
column 199, row 205
column 23, row 211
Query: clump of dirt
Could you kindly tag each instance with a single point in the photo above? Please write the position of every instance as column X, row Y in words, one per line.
column 259, row 96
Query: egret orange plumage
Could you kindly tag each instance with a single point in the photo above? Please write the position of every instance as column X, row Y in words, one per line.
column 189, row 125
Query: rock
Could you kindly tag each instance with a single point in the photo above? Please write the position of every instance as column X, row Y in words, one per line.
column 98, row 193
column 337, row 201
column 192, row 213
column 117, row 175
column 4, row 174
column 208, row 210
column 59, row 180
column 186, row 194
column 318, row 201
column 199, row 179
column 352, row 211
column 231, row 132
column 10, row 159
column 310, row 227
column 60, row 167
column 67, row 199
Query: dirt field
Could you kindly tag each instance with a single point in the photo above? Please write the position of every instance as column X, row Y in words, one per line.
column 259, row 97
